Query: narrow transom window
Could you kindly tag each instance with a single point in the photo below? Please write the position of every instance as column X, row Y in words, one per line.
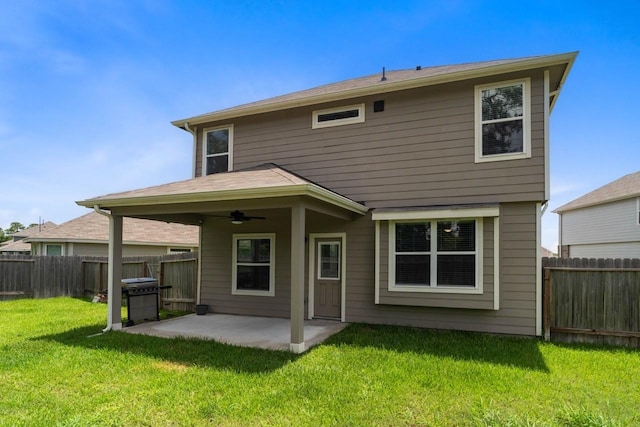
column 502, row 121
column 338, row 116
column 218, row 144
column 253, row 264
column 435, row 253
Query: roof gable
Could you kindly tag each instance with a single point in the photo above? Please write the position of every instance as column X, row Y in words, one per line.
column 263, row 181
column 394, row 81
column 624, row 188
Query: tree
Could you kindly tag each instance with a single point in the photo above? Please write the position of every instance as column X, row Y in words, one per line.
column 3, row 237
column 14, row 227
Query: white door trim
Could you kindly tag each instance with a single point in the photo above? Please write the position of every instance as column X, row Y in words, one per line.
column 312, row 267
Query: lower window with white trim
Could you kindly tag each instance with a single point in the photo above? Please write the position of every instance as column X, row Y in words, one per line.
column 435, row 255
column 253, row 264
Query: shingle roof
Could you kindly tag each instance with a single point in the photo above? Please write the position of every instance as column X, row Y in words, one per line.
column 94, row 227
column 395, row 80
column 267, row 180
column 624, row 188
column 34, row 229
column 19, row 246
column 259, row 177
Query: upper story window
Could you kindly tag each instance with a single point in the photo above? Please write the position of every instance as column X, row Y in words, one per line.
column 503, row 121
column 338, row 116
column 218, row 150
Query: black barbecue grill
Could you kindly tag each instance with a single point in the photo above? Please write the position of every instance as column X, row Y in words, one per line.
column 142, row 299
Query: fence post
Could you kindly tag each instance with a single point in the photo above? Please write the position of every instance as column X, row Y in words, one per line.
column 546, row 308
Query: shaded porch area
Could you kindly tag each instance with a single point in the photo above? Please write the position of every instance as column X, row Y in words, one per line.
column 248, row 331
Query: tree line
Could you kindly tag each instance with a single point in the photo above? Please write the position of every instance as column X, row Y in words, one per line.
column 13, row 228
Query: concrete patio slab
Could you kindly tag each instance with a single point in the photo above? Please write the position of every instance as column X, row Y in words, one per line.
column 249, row 331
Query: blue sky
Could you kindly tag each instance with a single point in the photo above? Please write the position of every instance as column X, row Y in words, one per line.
column 88, row 88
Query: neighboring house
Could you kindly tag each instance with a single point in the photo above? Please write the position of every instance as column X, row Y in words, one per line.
column 89, row 235
column 17, row 245
column 546, row 253
column 407, row 197
column 604, row 223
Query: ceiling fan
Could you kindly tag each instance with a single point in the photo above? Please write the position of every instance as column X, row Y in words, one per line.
column 238, row 217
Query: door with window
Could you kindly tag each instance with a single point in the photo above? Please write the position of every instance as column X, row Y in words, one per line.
column 328, row 278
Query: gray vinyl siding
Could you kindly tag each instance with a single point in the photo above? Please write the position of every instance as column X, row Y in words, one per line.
column 615, row 222
column 517, row 313
column 419, row 151
column 517, row 274
column 605, row 250
column 216, row 252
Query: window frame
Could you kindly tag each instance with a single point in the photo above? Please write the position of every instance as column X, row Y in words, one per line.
column 319, row 260
column 315, row 124
column 433, row 287
column 228, row 153
column 48, row 245
column 638, row 211
column 526, row 121
column 234, row 264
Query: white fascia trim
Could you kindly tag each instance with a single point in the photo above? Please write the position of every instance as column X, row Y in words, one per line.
column 486, row 212
column 385, row 87
column 311, row 190
column 547, row 112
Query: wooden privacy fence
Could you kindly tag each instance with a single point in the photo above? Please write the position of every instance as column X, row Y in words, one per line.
column 592, row 300
column 81, row 276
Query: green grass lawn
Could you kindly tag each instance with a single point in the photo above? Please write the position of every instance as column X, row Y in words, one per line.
column 54, row 371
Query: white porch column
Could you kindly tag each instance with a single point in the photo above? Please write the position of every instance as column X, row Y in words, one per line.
column 114, row 317
column 297, row 278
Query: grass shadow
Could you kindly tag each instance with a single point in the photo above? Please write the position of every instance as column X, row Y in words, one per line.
column 501, row 350
column 188, row 351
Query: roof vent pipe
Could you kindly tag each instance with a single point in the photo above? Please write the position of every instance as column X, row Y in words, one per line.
column 384, row 75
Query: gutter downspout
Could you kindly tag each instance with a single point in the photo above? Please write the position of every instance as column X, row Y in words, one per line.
column 195, row 147
column 110, row 283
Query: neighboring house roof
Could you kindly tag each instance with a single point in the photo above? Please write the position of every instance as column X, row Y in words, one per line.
column 264, row 181
column 394, row 81
column 17, row 246
column 546, row 253
column 37, row 228
column 94, row 228
column 624, row 188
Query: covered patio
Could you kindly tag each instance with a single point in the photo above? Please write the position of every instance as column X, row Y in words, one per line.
column 248, row 331
column 279, row 197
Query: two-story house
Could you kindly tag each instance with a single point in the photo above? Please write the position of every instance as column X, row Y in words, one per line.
column 604, row 223
column 407, row 197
